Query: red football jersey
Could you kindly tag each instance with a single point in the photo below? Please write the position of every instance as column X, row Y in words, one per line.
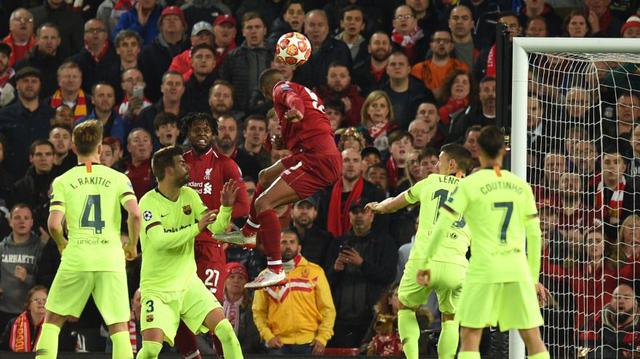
column 207, row 174
column 313, row 133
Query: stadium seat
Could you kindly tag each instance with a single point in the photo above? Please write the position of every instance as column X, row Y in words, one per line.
column 341, row 352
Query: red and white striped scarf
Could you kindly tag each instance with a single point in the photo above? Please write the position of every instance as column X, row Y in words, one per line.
column 232, row 311
column 615, row 202
column 20, row 336
column 133, row 332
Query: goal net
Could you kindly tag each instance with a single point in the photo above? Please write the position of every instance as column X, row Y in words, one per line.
column 576, row 111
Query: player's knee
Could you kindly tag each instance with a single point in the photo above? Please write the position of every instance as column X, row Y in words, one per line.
column 262, row 204
column 263, row 177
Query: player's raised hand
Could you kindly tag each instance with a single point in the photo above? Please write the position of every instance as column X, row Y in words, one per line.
column 207, row 218
column 423, row 277
column 228, row 193
column 293, row 115
column 130, row 251
column 375, row 207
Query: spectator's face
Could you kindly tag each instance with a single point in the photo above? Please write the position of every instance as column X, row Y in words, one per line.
column 370, row 160
column 623, row 300
column 577, row 102
column 441, row 44
column 513, row 25
column 316, row 27
column 534, row 115
column 304, row 214
column 631, row 233
column 419, row 130
column 338, row 78
column 554, row 166
column 168, row 134
column 418, row 5
column 172, row 88
column 61, row 140
column 21, row 24
column 335, row 117
column 570, row 184
column 38, row 301
column 200, row 135
column 379, row 47
column 227, row 133
column 536, row 28
column 403, row 20
column 140, row 146
column 361, row 220
column 132, row 78
column 628, row 109
column 255, row 132
column 595, row 246
column 488, row 94
column 429, row 113
column 294, row 16
column 285, row 70
column 613, row 165
column 224, row 34
column 461, row 87
column 28, row 87
column 351, row 164
column 49, row 40
column 598, row 6
column 378, row 111
column 254, row 32
column 585, row 157
column 635, row 140
column 251, row 189
column 401, row 149
column 95, row 34
column 632, row 32
column 104, row 98
column 70, row 80
column 203, row 37
column 64, row 116
column 430, row 165
column 398, row 67
column 471, row 143
column 106, row 156
column 42, row 159
column 577, row 26
column 235, row 283
column 221, row 99
column 352, row 22
column 128, row 49
column 203, row 62
column 21, row 221
column 289, row 247
column 379, row 177
column 460, row 22
column 171, row 24
column 4, row 62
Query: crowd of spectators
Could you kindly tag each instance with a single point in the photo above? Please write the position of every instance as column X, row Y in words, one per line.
column 398, row 79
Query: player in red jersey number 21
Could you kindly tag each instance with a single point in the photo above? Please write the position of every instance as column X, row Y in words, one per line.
column 314, row 164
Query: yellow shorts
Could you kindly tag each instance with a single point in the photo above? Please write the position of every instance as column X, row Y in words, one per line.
column 446, row 279
column 164, row 310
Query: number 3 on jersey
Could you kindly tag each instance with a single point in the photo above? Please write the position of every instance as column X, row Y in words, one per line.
column 314, row 99
column 92, row 214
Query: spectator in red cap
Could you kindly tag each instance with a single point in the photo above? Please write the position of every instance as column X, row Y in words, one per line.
column 631, row 28
column 143, row 19
column 196, row 11
column 237, row 308
column 224, row 34
column 202, row 33
column 156, row 58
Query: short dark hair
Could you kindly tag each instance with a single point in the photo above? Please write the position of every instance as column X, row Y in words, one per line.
column 165, row 118
column 20, row 205
column 461, row 155
column 292, row 2
column 102, row 83
column 222, row 82
column 191, row 118
column 491, row 141
column 352, row 7
column 202, row 47
column 291, row 231
column 428, row 152
column 255, row 117
column 250, row 15
column 163, row 159
column 171, row 73
column 39, row 142
column 47, row 24
column 267, row 76
column 339, row 64
column 336, row 104
column 398, row 135
column 127, row 34
column 377, row 165
column 59, row 125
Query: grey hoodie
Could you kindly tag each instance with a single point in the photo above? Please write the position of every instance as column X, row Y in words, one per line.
column 11, row 255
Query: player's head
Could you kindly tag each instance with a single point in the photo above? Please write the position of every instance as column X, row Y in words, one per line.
column 454, row 158
column 169, row 166
column 200, row 130
column 87, row 138
column 268, row 79
column 491, row 142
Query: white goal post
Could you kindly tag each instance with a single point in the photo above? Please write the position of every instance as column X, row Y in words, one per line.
column 598, row 49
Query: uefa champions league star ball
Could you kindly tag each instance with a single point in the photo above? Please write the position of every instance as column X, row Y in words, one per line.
column 293, row 49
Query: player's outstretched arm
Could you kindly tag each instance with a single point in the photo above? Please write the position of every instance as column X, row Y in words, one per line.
column 55, row 228
column 228, row 196
column 389, row 205
column 133, row 226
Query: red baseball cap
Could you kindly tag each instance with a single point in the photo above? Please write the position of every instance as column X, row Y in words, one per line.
column 237, row 268
column 173, row 10
column 632, row 21
column 224, row 19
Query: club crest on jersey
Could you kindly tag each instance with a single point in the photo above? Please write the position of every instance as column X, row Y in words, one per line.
column 147, row 215
column 186, row 209
column 149, row 318
column 207, row 173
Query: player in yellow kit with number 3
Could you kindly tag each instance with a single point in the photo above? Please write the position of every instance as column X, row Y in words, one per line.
column 502, row 279
column 89, row 197
column 449, row 265
column 172, row 216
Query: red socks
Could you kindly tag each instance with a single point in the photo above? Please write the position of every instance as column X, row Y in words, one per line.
column 270, row 236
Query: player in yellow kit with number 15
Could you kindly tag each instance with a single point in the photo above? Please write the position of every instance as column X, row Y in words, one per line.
column 502, row 279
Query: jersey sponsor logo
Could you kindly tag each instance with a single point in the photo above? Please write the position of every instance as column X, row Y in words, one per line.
column 147, row 215
column 164, row 215
column 186, row 209
column 207, row 173
column 208, row 188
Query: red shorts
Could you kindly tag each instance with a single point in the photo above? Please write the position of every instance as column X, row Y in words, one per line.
column 308, row 173
column 211, row 262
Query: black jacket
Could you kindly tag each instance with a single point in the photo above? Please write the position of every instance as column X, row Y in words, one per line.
column 196, row 94
column 154, row 62
column 33, row 189
column 69, row 23
column 313, row 74
column 106, row 70
column 48, row 66
column 315, row 243
column 242, row 68
column 363, row 77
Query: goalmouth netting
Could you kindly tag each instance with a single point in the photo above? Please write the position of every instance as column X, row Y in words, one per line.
column 576, row 138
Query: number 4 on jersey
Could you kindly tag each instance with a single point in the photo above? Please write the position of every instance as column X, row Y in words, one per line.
column 92, row 214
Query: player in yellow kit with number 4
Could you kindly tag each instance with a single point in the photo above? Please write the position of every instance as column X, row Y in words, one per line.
column 502, row 279
column 89, row 197
column 448, row 267
column 172, row 216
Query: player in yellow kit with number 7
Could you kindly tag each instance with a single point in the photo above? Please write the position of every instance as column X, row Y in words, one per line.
column 502, row 279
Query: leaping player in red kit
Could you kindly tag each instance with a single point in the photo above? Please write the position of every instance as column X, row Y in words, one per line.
column 314, row 163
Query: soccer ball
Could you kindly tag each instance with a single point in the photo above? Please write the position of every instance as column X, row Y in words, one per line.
column 293, row 49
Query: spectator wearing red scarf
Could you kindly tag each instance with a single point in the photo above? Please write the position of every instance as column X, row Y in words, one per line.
column 20, row 38
column 21, row 333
